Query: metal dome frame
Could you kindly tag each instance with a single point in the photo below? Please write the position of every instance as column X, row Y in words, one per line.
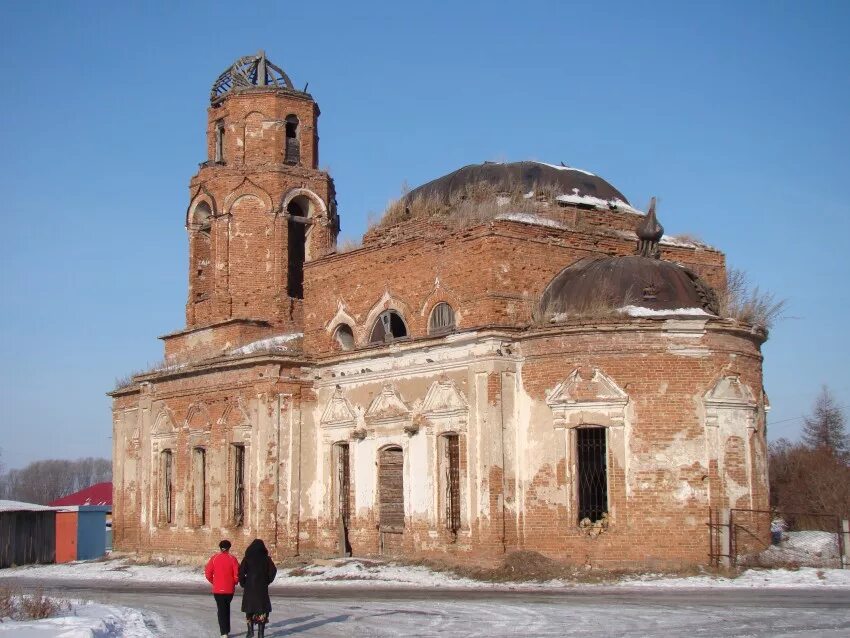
column 248, row 73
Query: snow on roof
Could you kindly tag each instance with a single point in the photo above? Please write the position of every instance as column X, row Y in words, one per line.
column 279, row 343
column 596, row 202
column 639, row 311
column 531, row 218
column 97, row 494
column 19, row 506
column 564, row 168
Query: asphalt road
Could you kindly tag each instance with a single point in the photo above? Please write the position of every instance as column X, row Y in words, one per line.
column 186, row 610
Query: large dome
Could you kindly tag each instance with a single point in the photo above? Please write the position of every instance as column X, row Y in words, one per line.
column 509, row 177
column 595, row 283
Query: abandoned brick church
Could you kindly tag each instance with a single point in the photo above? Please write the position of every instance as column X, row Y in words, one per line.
column 514, row 358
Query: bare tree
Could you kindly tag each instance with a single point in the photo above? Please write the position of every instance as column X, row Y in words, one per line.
column 45, row 481
column 826, row 427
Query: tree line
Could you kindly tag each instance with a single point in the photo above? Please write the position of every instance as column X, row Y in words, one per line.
column 813, row 475
column 44, row 481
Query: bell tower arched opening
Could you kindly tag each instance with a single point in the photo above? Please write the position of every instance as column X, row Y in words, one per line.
column 297, row 219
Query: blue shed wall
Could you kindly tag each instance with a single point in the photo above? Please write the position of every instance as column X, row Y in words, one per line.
column 91, row 533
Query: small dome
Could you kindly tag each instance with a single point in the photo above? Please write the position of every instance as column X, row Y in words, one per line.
column 507, row 177
column 249, row 72
column 610, row 283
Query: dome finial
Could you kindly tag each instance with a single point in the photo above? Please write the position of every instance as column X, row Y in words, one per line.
column 649, row 232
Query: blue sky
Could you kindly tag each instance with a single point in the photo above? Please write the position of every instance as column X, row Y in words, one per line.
column 735, row 114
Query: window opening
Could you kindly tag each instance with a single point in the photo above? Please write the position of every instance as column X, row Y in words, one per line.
column 344, row 337
column 219, row 142
column 202, row 249
column 452, row 482
column 238, row 484
column 389, row 326
column 199, row 471
column 292, row 153
column 592, row 473
column 442, row 319
column 391, row 488
column 343, row 496
column 297, row 236
column 167, row 486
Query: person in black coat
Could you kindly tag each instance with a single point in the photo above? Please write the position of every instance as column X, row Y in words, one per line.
column 255, row 573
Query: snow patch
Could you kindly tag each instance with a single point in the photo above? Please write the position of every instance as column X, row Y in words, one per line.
column 565, row 168
column 82, row 620
column 638, row 311
column 596, row 202
column 532, row 219
column 271, row 344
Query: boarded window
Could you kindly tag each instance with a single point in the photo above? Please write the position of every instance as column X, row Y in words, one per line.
column 389, row 326
column 238, row 484
column 292, row 153
column 442, row 319
column 592, row 473
column 452, row 482
column 344, row 337
column 391, row 488
column 167, row 498
column 199, row 485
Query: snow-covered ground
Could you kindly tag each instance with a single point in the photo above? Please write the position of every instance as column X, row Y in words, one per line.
column 343, row 572
column 79, row 619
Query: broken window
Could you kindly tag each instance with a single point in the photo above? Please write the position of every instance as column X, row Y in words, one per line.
column 391, row 488
column 592, row 457
column 219, row 142
column 167, row 497
column 297, row 236
column 389, row 326
column 238, row 484
column 442, row 319
column 199, row 485
column 292, row 154
column 451, row 480
column 344, row 336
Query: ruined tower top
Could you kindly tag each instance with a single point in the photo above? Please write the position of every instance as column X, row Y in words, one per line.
column 250, row 73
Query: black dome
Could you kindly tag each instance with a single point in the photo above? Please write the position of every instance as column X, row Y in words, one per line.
column 633, row 280
column 508, row 177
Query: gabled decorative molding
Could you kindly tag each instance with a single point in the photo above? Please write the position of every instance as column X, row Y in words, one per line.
column 338, row 412
column 729, row 392
column 163, row 425
column 340, row 317
column 444, row 400
column 198, row 417
column 727, row 396
column 387, row 407
column 236, row 414
column 597, row 400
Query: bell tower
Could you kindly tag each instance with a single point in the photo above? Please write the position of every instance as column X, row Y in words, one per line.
column 260, row 207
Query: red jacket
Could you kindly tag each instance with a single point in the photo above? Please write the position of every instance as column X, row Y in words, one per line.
column 223, row 572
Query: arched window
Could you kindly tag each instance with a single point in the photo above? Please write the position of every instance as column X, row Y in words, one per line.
column 344, row 336
column 199, row 486
column 201, row 246
column 166, row 503
column 298, row 210
column 442, row 319
column 388, row 327
column 219, row 142
column 292, row 150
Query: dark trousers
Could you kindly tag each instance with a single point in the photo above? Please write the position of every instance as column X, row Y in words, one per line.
column 222, row 601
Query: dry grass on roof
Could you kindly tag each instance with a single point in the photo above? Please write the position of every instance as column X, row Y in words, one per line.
column 474, row 204
column 748, row 304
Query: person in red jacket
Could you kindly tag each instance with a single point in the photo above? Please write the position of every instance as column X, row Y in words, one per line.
column 222, row 571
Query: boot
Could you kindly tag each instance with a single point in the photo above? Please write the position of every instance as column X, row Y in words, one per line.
column 261, row 630
column 250, row 633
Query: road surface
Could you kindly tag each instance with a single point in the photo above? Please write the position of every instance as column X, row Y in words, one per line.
column 185, row 610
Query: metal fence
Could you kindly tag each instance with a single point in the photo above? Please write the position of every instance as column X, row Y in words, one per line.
column 770, row 538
